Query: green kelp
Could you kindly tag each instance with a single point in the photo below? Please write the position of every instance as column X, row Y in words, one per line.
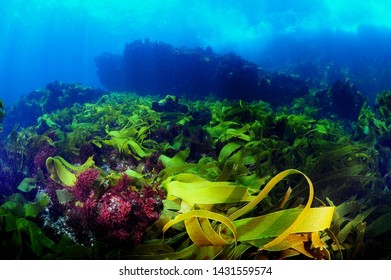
column 23, row 236
column 215, row 231
column 62, row 172
column 219, row 180
column 381, row 127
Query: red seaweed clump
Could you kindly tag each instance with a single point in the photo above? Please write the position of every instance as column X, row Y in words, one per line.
column 84, row 184
column 152, row 164
column 41, row 156
column 121, row 214
column 124, row 213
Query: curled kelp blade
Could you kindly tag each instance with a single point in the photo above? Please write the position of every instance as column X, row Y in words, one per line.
column 261, row 231
column 265, row 191
column 266, row 231
column 269, row 186
column 202, row 233
column 65, row 173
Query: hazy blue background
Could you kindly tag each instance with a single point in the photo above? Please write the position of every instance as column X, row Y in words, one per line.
column 46, row 40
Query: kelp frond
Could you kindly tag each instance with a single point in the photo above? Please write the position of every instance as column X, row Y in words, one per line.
column 215, row 229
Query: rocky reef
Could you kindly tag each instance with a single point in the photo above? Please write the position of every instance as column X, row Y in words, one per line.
column 158, row 68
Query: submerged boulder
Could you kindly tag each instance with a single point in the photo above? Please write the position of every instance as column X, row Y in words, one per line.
column 278, row 88
column 346, row 100
column 341, row 99
column 158, row 68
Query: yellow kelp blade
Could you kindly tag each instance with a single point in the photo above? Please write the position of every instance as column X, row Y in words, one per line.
column 65, row 173
column 316, row 241
column 267, row 232
column 198, row 233
column 178, row 159
column 214, row 237
column 295, row 242
column 265, row 191
column 294, row 245
column 195, row 190
column 302, row 216
column 261, row 231
column 276, row 223
column 319, row 246
column 140, row 151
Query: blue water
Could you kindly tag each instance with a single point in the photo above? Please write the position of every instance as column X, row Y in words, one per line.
column 47, row 40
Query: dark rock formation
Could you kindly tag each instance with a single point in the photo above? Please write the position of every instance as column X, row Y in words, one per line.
column 158, row 68
column 278, row 89
column 342, row 99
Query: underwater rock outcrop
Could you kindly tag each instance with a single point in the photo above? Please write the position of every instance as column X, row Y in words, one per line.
column 278, row 88
column 158, row 68
column 341, row 99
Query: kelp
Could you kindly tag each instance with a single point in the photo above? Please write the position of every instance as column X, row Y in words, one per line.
column 342, row 167
column 20, row 235
column 236, row 192
column 216, row 229
column 27, row 184
column 65, row 173
column 23, row 237
column 126, row 141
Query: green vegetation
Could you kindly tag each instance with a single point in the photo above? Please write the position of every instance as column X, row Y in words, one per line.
column 238, row 180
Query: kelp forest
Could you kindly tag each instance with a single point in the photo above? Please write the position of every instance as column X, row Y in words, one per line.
column 96, row 174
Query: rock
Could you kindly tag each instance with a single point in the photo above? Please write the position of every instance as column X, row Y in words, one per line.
column 279, row 89
column 341, row 99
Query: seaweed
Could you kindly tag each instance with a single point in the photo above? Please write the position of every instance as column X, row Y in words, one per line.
column 22, row 237
column 124, row 178
column 217, row 232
